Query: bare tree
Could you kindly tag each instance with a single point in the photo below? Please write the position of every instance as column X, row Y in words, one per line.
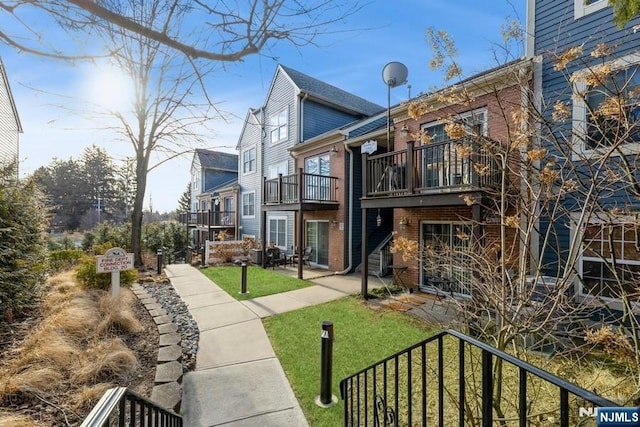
column 554, row 262
column 224, row 30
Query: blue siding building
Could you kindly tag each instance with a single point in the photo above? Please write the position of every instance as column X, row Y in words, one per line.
column 585, row 65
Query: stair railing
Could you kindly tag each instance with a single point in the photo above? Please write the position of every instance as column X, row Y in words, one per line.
column 122, row 407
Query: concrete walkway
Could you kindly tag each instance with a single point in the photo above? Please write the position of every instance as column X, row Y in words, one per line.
column 238, row 381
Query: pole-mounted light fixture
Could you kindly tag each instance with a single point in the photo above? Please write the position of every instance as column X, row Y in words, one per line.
column 393, row 74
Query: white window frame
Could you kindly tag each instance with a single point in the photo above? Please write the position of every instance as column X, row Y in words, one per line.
column 255, row 161
column 579, row 114
column 282, row 127
column 582, row 294
column 463, row 116
column 247, row 194
column 581, row 9
column 453, row 224
column 278, row 168
column 278, row 218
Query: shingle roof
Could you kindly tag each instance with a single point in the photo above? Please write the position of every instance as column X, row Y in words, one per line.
column 217, row 160
column 331, row 93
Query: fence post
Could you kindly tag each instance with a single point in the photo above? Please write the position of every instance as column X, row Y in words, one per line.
column 326, row 399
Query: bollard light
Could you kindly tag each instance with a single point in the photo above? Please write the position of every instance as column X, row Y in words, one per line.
column 326, row 399
column 159, row 260
column 243, row 282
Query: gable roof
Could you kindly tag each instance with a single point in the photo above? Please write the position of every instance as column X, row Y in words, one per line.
column 217, row 160
column 330, row 93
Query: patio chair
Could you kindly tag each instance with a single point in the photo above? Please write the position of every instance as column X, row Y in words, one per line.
column 306, row 254
column 275, row 257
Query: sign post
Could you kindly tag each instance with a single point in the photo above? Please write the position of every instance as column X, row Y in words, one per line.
column 114, row 261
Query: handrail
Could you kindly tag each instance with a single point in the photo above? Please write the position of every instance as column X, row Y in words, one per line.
column 141, row 411
column 375, row 391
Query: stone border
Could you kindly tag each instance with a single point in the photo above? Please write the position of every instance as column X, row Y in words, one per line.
column 167, row 391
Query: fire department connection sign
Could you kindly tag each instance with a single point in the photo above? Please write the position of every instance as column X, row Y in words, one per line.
column 115, row 259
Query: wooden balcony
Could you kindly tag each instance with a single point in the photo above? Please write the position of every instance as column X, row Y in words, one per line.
column 301, row 191
column 209, row 219
column 433, row 174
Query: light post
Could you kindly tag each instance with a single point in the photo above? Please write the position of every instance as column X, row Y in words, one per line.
column 394, row 74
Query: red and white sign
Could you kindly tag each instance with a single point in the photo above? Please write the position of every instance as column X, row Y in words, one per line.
column 115, row 259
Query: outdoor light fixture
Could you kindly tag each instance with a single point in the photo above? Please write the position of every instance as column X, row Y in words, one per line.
column 404, row 131
column 393, row 74
column 334, row 151
column 378, row 219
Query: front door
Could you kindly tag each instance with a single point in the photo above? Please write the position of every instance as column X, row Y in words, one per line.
column 318, row 239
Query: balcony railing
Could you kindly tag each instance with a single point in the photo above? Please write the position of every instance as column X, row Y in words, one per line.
column 434, row 381
column 437, row 167
column 208, row 218
column 286, row 189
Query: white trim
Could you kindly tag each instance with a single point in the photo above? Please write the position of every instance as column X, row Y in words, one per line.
column 579, row 113
column 242, row 204
column 272, row 127
column 581, row 9
column 529, row 48
column 255, row 160
column 421, row 243
column 279, row 168
column 472, row 113
column 577, row 234
column 286, row 234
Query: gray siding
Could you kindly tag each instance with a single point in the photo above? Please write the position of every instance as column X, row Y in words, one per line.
column 251, row 137
column 9, row 125
column 282, row 96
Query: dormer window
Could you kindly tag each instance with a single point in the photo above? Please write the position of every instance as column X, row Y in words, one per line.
column 279, row 125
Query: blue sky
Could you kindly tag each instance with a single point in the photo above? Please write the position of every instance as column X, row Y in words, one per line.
column 381, row 32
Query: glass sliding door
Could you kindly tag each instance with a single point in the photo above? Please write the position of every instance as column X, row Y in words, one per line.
column 317, row 236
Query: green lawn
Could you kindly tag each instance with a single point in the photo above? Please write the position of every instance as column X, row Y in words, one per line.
column 362, row 337
column 260, row 281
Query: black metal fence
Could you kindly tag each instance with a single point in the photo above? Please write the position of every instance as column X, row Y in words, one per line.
column 122, row 407
column 436, row 382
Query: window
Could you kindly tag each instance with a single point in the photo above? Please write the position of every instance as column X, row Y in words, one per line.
column 249, row 160
column 279, row 126
column 584, row 7
column 318, row 182
column 608, row 114
column 442, row 163
column 610, row 260
column 278, row 168
column 278, row 232
column 444, row 260
column 248, row 205
column 622, row 92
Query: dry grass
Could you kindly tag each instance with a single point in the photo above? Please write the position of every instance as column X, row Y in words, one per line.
column 7, row 419
column 107, row 360
column 73, row 355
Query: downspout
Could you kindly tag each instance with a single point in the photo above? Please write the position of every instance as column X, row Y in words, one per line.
column 350, row 211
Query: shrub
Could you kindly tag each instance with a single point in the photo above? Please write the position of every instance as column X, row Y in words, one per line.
column 87, row 275
column 22, row 244
column 64, row 259
column 226, row 251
